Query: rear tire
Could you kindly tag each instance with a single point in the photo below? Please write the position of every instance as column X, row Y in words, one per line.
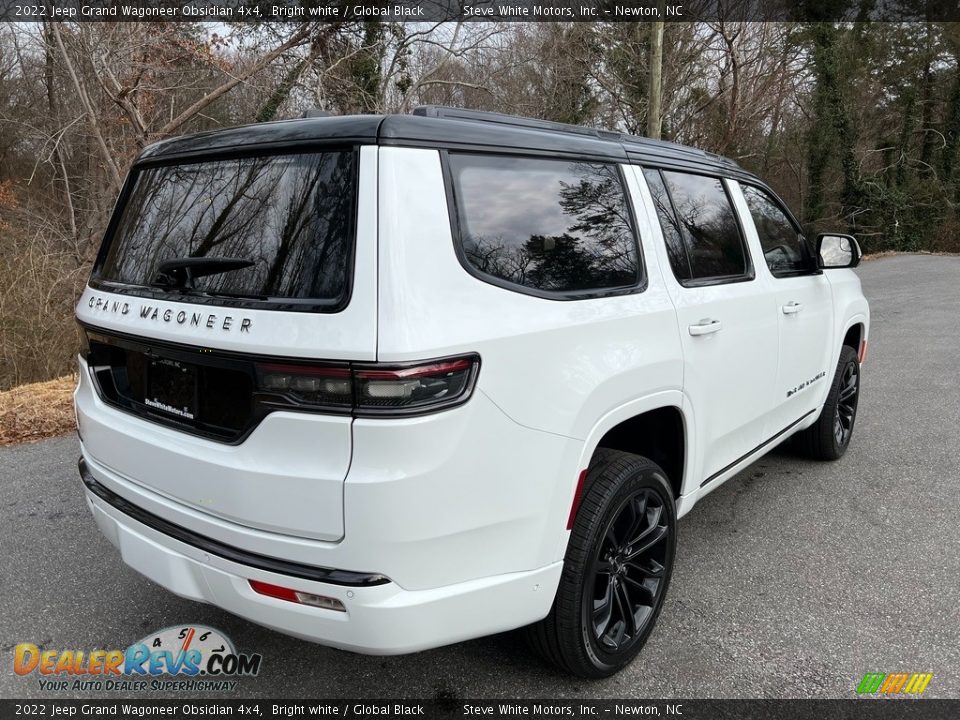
column 616, row 571
column 829, row 437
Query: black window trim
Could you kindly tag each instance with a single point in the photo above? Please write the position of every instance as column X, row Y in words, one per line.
column 810, row 255
column 315, row 305
column 749, row 273
column 453, row 213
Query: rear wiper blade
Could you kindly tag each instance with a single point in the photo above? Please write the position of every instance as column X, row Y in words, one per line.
column 179, row 273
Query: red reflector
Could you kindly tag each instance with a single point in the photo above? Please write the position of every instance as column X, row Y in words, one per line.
column 296, row 596
column 274, row 591
column 863, row 351
column 577, row 497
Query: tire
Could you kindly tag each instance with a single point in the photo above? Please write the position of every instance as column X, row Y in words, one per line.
column 627, row 499
column 829, row 437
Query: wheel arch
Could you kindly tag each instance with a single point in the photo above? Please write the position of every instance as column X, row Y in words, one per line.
column 655, row 427
column 854, row 336
column 855, row 330
column 657, row 435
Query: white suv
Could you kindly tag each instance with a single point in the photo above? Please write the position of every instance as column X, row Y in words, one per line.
column 392, row 382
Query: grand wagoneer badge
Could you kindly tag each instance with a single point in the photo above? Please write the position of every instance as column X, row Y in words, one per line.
column 156, row 313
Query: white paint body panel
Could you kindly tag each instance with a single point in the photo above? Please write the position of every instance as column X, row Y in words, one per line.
column 382, row 620
column 285, row 478
column 728, row 374
column 464, row 510
column 804, row 310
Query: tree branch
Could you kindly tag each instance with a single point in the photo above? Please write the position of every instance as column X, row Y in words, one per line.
column 88, row 108
column 203, row 102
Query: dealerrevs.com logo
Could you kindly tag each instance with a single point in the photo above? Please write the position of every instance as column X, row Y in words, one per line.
column 179, row 658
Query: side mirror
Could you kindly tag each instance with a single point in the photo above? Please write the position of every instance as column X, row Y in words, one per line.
column 838, row 251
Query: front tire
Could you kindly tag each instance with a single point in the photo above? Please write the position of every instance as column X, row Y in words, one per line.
column 616, row 571
column 829, row 437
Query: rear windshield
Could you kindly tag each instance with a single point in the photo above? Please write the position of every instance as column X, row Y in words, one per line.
column 292, row 216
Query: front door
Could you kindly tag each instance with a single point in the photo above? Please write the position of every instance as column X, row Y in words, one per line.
column 804, row 310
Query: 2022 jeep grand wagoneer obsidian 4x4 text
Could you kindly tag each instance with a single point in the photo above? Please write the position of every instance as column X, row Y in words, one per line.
column 392, row 382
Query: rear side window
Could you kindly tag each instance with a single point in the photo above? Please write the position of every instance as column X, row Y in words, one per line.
column 672, row 233
column 705, row 218
column 551, row 226
column 784, row 248
column 291, row 216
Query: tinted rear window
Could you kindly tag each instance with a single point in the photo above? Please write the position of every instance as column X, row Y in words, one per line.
column 715, row 247
column 554, row 226
column 293, row 216
column 672, row 233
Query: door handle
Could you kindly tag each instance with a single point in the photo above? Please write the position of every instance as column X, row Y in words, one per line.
column 792, row 307
column 705, row 327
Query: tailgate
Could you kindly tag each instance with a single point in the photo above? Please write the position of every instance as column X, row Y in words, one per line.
column 171, row 400
column 286, row 477
column 200, row 433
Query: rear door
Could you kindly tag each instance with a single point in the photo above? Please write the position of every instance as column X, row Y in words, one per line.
column 727, row 318
column 804, row 308
column 223, row 361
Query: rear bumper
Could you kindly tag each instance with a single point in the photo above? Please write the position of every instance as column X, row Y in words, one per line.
column 220, row 549
column 429, row 502
column 380, row 619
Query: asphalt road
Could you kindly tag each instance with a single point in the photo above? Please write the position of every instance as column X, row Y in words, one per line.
column 792, row 580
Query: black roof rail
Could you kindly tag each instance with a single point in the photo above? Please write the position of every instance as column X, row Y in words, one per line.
column 641, row 141
column 316, row 113
column 451, row 113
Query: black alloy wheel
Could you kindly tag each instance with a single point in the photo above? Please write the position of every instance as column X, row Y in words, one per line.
column 846, row 403
column 628, row 573
column 829, row 437
column 616, row 570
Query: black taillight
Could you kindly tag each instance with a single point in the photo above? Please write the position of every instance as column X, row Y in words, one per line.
column 310, row 385
column 374, row 389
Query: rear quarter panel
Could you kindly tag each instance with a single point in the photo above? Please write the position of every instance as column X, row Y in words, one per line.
column 553, row 365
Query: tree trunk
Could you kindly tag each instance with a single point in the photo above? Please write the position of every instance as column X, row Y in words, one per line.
column 951, row 126
column 53, row 107
column 656, row 80
column 831, row 120
column 268, row 111
column 92, row 119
